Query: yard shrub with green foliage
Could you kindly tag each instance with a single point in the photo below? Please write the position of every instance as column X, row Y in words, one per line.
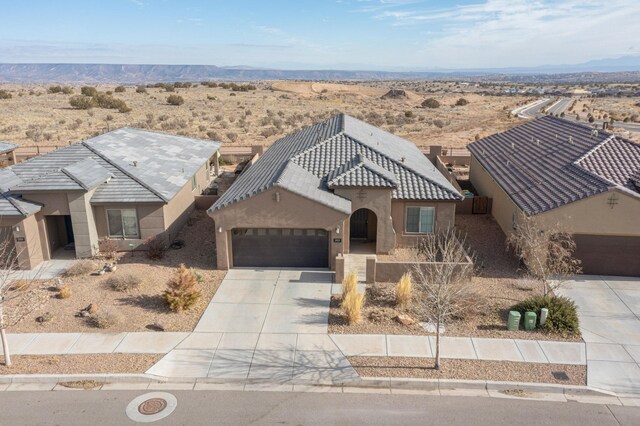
column 563, row 314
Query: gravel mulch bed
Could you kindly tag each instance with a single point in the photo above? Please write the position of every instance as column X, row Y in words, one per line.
column 79, row 364
column 137, row 309
column 498, row 286
column 469, row 370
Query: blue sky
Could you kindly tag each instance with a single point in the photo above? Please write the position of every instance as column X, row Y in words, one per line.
column 305, row 34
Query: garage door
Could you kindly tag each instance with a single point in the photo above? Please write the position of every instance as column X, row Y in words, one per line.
column 7, row 246
column 271, row 247
column 608, row 255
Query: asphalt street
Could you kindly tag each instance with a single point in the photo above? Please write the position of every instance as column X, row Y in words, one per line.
column 70, row 408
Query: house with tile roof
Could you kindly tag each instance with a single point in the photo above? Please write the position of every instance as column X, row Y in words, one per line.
column 127, row 185
column 332, row 188
column 586, row 181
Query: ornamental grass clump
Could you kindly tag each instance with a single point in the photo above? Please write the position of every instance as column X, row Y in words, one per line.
column 352, row 305
column 182, row 293
column 349, row 283
column 403, row 291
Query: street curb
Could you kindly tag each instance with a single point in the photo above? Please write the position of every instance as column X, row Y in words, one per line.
column 387, row 385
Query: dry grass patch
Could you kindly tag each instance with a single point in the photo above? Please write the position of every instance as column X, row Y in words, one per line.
column 64, row 292
column 349, row 283
column 403, row 291
column 352, row 306
column 123, row 282
column 81, row 267
column 104, row 319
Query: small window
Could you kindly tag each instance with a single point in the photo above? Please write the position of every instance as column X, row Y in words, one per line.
column 122, row 223
column 194, row 184
column 420, row 220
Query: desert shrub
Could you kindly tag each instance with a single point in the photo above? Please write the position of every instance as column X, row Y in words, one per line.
column 232, row 136
column 89, row 91
column 403, row 291
column 5, row 95
column 81, row 102
column 352, row 306
column 123, row 282
column 20, row 285
column 430, row 103
column 563, row 315
column 141, row 89
column 182, row 293
column 108, row 248
column 156, row 248
column 462, row 102
column 408, row 114
column 54, row 89
column 268, row 132
column 64, row 292
column 120, row 89
column 349, row 283
column 67, row 90
column 104, row 319
column 80, row 267
column 175, row 100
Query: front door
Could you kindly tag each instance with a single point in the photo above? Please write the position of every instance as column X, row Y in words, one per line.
column 358, row 224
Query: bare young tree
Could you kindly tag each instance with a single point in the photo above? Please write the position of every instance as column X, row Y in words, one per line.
column 546, row 252
column 8, row 260
column 443, row 285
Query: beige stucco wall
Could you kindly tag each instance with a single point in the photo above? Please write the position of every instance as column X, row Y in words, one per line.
column 150, row 222
column 503, row 208
column 379, row 202
column 53, row 203
column 284, row 210
column 29, row 251
column 177, row 211
column 595, row 216
column 445, row 218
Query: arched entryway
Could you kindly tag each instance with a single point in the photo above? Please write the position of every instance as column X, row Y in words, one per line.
column 363, row 227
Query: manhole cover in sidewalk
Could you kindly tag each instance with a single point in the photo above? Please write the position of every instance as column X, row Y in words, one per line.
column 151, row 407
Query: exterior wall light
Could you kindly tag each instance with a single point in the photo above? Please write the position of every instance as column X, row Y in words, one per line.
column 337, row 229
column 219, row 228
column 17, row 229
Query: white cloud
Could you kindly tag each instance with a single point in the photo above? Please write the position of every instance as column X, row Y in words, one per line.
column 518, row 32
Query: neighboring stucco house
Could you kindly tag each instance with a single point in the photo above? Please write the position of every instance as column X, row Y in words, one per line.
column 334, row 187
column 127, row 185
column 584, row 180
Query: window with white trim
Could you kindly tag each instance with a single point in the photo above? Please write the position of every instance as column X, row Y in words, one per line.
column 420, row 220
column 123, row 223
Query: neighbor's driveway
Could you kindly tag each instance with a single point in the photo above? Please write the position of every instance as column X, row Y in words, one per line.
column 263, row 324
column 609, row 310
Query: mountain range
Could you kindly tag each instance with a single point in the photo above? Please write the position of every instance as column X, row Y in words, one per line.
column 624, row 69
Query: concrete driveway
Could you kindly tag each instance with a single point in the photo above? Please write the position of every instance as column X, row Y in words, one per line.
column 609, row 310
column 265, row 324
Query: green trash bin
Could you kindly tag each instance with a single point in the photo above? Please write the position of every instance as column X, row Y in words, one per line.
column 530, row 320
column 513, row 323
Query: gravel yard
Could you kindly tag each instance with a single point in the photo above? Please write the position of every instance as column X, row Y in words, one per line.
column 134, row 310
column 79, row 364
column 497, row 283
column 469, row 370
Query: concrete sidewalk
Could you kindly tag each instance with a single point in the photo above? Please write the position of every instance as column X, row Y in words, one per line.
column 535, row 351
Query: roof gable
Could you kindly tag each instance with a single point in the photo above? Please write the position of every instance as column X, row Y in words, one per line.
column 359, row 171
column 87, row 173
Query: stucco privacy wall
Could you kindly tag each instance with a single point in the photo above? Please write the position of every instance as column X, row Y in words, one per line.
column 27, row 241
column 445, row 218
column 379, row 202
column 276, row 208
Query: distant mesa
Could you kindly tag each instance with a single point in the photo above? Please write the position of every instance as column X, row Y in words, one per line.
column 395, row 94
